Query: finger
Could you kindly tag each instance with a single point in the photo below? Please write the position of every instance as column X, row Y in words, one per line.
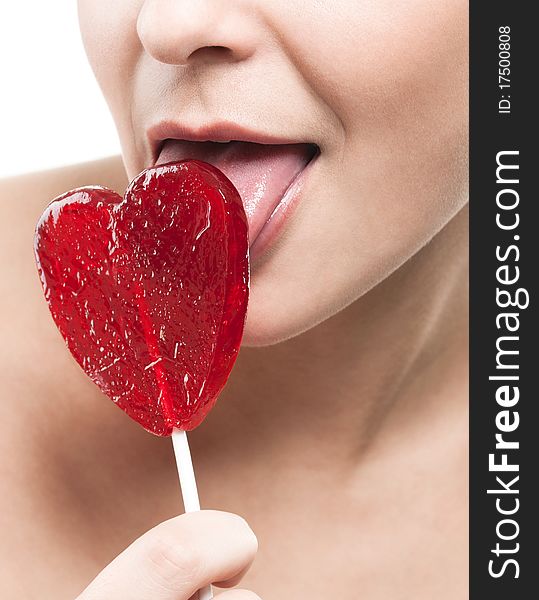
column 178, row 557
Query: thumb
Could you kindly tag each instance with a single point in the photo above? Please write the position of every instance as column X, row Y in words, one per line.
column 178, row 557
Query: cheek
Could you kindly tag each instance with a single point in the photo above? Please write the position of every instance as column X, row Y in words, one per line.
column 109, row 34
column 113, row 48
column 368, row 56
column 396, row 74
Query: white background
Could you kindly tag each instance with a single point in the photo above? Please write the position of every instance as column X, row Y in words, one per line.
column 52, row 112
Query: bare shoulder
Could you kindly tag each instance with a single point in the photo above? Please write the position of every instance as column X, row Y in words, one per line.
column 34, row 190
column 24, row 197
column 35, row 371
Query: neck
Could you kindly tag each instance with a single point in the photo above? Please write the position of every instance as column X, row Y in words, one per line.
column 333, row 393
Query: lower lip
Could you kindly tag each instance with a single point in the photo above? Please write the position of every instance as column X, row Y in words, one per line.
column 262, row 245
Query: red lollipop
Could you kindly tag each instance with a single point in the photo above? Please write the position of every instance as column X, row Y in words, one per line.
column 150, row 291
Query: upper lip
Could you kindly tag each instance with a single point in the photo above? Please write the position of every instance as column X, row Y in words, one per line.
column 222, row 131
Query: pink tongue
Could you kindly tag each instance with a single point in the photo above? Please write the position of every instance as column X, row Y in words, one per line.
column 261, row 173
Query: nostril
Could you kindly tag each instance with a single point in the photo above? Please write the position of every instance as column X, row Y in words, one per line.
column 212, row 54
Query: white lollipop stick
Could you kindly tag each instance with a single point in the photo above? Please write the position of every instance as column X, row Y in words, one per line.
column 188, row 485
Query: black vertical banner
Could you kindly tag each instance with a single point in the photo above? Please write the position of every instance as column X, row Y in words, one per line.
column 504, row 336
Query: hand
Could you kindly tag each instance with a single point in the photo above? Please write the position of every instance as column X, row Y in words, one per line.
column 178, row 557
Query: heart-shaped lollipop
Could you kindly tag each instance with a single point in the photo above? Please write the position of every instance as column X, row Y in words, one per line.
column 150, row 291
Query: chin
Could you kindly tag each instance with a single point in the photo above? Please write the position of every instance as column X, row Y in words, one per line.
column 274, row 317
column 268, row 324
column 263, row 329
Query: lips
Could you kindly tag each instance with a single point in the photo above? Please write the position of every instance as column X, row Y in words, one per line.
column 262, row 173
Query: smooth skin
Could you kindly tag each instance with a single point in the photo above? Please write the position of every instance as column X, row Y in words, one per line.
column 344, row 446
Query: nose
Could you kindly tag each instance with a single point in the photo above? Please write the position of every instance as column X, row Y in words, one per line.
column 181, row 32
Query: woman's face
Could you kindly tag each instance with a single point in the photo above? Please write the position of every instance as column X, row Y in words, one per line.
column 349, row 120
